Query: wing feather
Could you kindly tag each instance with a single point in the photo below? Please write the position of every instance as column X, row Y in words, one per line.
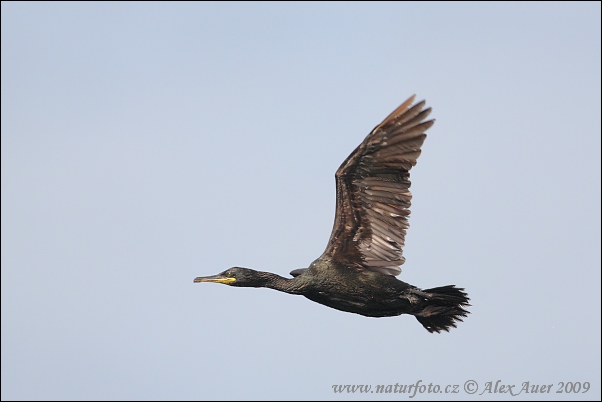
column 373, row 196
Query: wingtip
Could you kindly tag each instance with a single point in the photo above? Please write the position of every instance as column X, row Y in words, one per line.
column 407, row 103
column 397, row 112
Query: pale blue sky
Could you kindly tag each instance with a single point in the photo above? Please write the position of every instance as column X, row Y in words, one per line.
column 146, row 144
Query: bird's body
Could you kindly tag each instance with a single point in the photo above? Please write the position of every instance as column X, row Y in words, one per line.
column 355, row 290
column 356, row 273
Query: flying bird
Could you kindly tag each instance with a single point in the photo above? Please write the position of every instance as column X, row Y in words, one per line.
column 357, row 271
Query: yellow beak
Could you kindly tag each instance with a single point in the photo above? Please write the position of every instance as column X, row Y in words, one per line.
column 215, row 279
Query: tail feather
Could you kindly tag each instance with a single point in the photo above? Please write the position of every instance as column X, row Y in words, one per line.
column 443, row 308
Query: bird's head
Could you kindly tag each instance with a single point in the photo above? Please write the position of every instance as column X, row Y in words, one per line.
column 236, row 276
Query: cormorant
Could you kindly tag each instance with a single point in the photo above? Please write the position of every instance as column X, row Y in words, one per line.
column 356, row 273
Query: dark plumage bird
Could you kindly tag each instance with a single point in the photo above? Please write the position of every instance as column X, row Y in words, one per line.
column 356, row 273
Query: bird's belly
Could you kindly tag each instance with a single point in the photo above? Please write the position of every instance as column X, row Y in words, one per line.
column 362, row 304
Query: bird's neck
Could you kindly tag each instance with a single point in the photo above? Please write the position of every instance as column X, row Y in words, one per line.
column 277, row 282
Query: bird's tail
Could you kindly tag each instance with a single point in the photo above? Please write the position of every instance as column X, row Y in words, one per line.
column 442, row 308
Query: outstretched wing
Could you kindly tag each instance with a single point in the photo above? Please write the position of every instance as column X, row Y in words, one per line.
column 373, row 193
